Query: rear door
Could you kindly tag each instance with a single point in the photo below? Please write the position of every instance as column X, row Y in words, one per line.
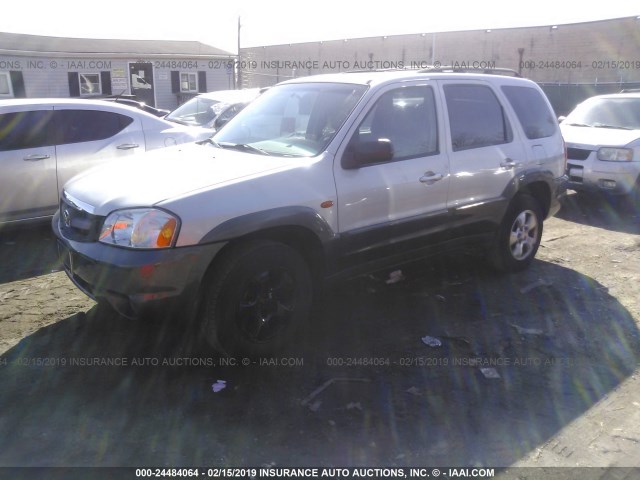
column 88, row 137
column 28, row 187
column 540, row 131
column 485, row 154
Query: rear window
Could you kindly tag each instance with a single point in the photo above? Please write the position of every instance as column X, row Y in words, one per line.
column 535, row 117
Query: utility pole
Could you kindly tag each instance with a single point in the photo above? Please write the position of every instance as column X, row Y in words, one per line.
column 239, row 83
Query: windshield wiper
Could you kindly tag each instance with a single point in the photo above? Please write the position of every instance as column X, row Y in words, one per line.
column 179, row 122
column 577, row 124
column 604, row 125
column 209, row 140
column 240, row 146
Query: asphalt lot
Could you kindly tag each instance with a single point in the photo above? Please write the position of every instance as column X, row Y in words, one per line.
column 534, row 369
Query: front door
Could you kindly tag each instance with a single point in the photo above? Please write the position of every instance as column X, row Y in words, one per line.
column 388, row 207
column 141, row 77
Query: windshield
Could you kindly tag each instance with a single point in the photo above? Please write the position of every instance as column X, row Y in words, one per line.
column 623, row 113
column 197, row 111
column 296, row 120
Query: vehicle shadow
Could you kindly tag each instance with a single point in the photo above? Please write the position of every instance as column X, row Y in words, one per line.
column 600, row 211
column 27, row 252
column 361, row 389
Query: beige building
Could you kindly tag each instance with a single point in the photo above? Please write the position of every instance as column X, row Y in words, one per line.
column 601, row 53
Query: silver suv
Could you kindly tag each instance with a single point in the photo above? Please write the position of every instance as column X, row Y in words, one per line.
column 320, row 177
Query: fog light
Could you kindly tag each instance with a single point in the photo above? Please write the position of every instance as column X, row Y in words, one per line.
column 609, row 184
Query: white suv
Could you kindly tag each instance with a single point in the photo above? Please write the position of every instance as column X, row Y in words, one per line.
column 603, row 146
column 320, row 177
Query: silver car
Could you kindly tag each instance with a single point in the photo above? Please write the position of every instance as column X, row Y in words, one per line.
column 214, row 109
column 602, row 136
column 45, row 142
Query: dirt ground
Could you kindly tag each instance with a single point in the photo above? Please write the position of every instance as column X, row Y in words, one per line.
column 538, row 369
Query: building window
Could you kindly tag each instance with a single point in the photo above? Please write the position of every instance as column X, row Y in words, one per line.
column 188, row 83
column 5, row 85
column 90, row 84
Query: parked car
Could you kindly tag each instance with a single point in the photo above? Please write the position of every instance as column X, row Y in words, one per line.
column 45, row 142
column 603, row 146
column 213, row 109
column 132, row 102
column 319, row 178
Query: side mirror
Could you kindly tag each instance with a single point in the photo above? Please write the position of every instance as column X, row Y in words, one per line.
column 561, row 118
column 361, row 154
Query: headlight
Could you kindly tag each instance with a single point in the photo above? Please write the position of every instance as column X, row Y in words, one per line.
column 140, row 228
column 610, row 154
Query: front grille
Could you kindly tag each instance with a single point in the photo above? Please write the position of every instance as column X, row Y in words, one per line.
column 78, row 225
column 577, row 153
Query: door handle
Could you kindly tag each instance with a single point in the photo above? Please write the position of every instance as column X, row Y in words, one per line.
column 127, row 146
column 508, row 164
column 430, row 178
column 35, row 157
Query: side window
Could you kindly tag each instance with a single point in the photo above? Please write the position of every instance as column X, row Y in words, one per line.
column 535, row 117
column 20, row 130
column 476, row 117
column 5, row 85
column 407, row 118
column 77, row 126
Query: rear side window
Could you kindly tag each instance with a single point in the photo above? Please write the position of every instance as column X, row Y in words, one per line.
column 476, row 117
column 535, row 117
column 20, row 130
column 75, row 126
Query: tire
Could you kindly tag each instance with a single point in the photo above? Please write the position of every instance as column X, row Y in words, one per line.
column 256, row 299
column 519, row 235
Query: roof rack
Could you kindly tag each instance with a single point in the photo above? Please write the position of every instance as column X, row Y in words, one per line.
column 454, row 69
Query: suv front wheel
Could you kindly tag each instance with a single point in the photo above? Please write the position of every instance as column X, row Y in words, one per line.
column 256, row 299
column 519, row 235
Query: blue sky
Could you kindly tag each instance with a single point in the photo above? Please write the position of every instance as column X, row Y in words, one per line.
column 287, row 21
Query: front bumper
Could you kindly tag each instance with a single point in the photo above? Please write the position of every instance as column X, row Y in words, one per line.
column 593, row 175
column 136, row 282
column 558, row 193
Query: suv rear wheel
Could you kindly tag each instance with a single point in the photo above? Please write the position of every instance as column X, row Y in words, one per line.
column 519, row 235
column 256, row 299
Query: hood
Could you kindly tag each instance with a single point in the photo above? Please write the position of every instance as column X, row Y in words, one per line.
column 598, row 137
column 185, row 133
column 149, row 178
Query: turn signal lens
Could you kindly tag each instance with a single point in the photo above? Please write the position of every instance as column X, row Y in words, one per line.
column 166, row 233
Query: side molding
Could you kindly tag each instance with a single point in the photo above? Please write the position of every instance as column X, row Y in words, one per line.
column 295, row 216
